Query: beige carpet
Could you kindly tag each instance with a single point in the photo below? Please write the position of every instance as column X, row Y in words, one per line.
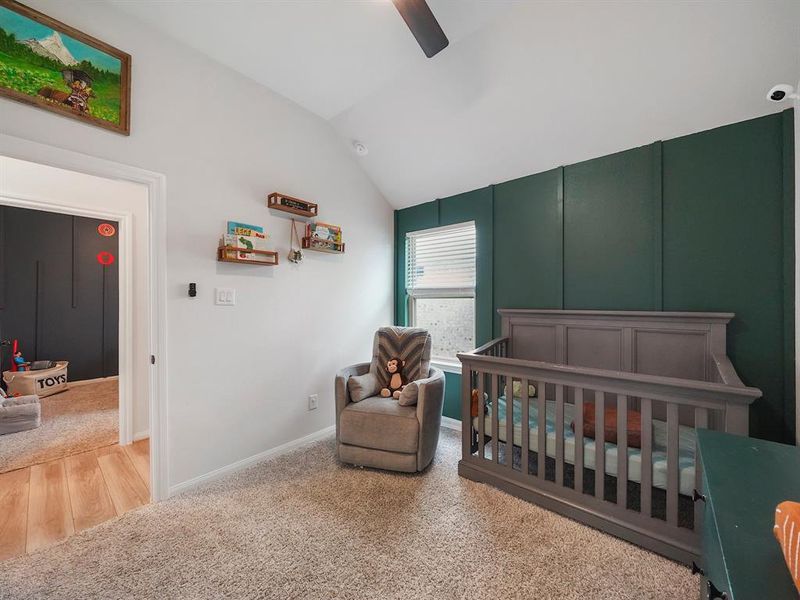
column 82, row 418
column 303, row 526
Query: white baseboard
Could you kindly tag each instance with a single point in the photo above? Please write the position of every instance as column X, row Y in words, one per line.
column 142, row 435
column 449, row 423
column 246, row 462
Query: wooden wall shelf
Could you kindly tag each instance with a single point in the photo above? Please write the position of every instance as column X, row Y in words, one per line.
column 323, row 246
column 289, row 204
column 271, row 258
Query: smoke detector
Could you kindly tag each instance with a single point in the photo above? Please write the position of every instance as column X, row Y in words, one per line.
column 360, row 148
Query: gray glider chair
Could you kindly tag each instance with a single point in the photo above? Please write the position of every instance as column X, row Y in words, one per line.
column 389, row 433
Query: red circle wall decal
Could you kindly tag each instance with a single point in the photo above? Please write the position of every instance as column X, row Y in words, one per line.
column 106, row 229
column 105, row 258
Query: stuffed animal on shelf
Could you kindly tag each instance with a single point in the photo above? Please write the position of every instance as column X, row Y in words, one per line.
column 397, row 381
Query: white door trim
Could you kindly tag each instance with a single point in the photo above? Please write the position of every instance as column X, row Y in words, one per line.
column 156, row 187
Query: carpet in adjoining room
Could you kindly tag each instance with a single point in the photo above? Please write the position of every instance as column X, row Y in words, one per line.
column 82, row 418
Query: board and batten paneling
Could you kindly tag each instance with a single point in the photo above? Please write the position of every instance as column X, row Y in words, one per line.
column 528, row 249
column 701, row 222
column 724, row 249
column 59, row 301
column 610, row 244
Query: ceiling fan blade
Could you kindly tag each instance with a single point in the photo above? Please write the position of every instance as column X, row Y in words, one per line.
column 420, row 20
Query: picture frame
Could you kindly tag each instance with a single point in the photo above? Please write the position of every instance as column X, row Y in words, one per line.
column 48, row 64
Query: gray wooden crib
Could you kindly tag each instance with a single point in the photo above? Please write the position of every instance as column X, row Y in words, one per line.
column 666, row 371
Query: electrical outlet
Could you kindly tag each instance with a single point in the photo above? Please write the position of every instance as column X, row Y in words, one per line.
column 224, row 296
column 313, row 402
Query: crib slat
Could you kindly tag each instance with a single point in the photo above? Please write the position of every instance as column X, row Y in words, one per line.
column 542, row 429
column 579, row 440
column 647, row 456
column 559, row 434
column 672, row 463
column 700, row 422
column 510, row 422
column 495, row 419
column 526, row 443
column 466, row 413
column 599, row 445
column 481, row 415
column 622, row 451
column 700, row 417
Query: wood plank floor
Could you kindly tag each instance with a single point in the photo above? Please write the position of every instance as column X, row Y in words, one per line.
column 46, row 503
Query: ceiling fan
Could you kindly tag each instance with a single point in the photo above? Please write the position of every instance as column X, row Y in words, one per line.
column 420, row 20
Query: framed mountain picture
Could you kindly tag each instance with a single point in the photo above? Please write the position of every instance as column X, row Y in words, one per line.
column 53, row 66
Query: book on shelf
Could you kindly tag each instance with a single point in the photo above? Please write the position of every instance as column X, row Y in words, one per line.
column 324, row 232
column 235, row 242
column 255, row 231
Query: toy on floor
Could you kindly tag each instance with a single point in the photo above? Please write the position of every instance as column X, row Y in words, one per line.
column 20, row 362
column 394, row 366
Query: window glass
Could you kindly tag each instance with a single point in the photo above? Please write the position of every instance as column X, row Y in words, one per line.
column 440, row 282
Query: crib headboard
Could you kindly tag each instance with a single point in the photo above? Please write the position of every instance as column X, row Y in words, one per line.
column 687, row 345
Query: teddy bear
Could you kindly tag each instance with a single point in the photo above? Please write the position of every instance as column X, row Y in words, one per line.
column 397, row 381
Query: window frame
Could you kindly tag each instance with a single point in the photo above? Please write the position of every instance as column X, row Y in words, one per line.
column 448, row 364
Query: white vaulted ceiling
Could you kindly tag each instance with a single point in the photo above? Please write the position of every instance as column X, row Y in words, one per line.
column 523, row 87
column 326, row 55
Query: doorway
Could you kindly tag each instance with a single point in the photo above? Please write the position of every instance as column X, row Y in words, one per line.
column 138, row 449
column 59, row 326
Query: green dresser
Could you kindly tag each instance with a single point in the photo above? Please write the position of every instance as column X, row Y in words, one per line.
column 744, row 480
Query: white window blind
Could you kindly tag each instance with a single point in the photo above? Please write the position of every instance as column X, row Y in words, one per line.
column 441, row 259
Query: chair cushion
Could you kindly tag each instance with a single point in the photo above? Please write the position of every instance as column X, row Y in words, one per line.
column 409, row 395
column 362, row 386
column 380, row 423
column 412, row 345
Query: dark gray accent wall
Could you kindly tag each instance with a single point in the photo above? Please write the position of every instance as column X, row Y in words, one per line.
column 55, row 297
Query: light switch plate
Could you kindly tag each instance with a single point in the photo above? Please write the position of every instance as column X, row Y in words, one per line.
column 225, row 296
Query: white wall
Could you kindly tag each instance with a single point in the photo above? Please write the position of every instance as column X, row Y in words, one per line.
column 30, row 181
column 238, row 376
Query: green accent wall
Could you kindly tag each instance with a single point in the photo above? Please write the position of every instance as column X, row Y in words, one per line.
column 610, row 241
column 528, row 214
column 700, row 222
column 724, row 249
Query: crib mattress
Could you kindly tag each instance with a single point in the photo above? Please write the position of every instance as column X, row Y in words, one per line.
column 686, row 454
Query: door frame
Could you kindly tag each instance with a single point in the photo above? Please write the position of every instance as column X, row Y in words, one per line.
column 155, row 183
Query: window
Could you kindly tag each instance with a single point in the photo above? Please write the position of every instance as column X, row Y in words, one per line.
column 440, row 282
